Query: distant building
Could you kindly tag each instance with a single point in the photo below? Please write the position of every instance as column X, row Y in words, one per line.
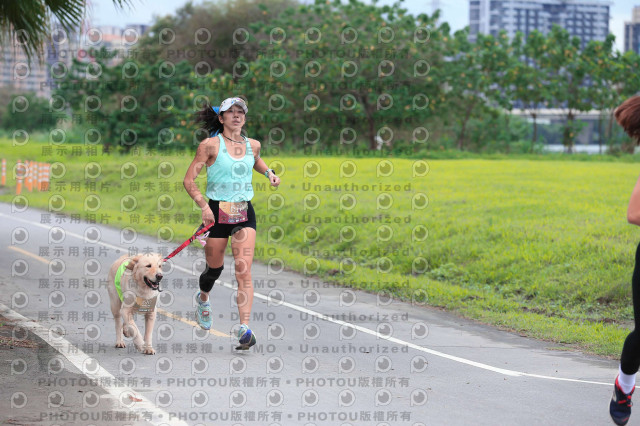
column 587, row 19
column 16, row 71
column 632, row 32
column 33, row 76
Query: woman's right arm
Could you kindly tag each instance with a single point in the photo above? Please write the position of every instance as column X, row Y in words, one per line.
column 189, row 182
column 633, row 211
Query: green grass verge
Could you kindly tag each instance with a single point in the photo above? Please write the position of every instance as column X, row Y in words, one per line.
column 539, row 247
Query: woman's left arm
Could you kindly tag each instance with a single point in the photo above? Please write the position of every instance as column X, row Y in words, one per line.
column 260, row 166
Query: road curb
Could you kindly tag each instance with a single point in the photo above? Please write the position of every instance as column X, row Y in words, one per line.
column 124, row 396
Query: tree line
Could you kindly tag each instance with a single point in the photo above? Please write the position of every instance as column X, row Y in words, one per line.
column 332, row 75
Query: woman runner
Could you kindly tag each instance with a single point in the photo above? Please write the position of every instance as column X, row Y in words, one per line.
column 229, row 158
column 628, row 116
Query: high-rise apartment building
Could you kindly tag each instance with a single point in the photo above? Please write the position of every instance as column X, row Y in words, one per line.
column 586, row 19
column 632, row 32
column 34, row 76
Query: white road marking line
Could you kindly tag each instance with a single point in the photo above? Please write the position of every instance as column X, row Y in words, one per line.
column 78, row 358
column 413, row 345
column 498, row 370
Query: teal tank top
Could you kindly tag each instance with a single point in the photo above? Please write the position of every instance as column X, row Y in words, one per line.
column 229, row 179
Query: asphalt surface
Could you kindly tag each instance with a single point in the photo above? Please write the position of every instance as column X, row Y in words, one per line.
column 325, row 354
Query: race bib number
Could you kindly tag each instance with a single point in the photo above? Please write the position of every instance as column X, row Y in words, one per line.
column 232, row 212
column 145, row 305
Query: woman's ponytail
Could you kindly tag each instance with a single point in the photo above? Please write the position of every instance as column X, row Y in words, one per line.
column 208, row 119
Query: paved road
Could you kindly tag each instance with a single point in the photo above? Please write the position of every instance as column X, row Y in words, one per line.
column 326, row 355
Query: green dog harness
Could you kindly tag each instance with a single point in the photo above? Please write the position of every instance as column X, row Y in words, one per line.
column 118, row 277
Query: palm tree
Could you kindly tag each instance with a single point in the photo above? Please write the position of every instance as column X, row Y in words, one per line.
column 29, row 21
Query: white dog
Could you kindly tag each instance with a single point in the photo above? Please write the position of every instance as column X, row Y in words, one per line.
column 139, row 278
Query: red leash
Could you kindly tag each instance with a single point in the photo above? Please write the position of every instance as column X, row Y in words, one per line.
column 201, row 230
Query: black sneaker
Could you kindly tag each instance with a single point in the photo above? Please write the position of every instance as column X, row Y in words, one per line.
column 620, row 406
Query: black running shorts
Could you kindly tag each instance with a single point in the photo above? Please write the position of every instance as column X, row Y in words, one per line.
column 224, row 230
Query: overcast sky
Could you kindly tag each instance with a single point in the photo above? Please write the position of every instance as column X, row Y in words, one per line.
column 455, row 12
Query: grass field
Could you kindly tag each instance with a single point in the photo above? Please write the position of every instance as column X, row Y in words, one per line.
column 539, row 247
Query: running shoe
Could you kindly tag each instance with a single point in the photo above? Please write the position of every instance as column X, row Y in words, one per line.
column 246, row 338
column 203, row 313
column 620, row 406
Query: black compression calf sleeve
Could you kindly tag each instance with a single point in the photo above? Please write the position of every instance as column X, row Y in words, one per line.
column 209, row 277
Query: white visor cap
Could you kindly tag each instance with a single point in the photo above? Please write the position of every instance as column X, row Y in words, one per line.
column 226, row 104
